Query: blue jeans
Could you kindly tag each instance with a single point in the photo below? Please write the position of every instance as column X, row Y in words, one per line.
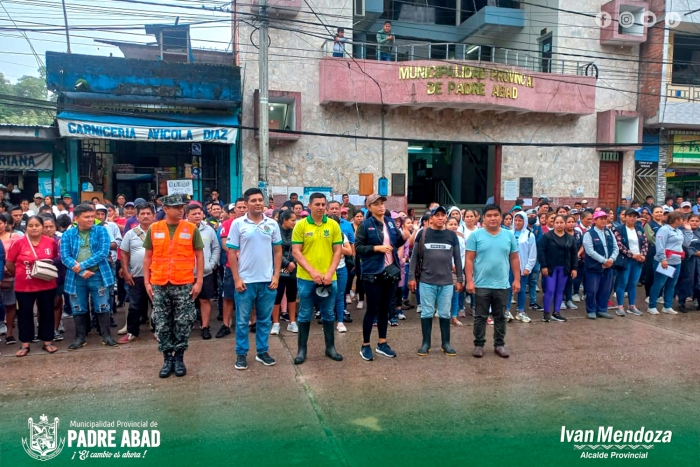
column 532, row 283
column 627, row 282
column 598, row 287
column 101, row 298
column 385, row 56
column 580, row 278
column 308, row 298
column 659, row 281
column 342, row 274
column 521, row 295
column 454, row 308
column 433, row 296
column 260, row 295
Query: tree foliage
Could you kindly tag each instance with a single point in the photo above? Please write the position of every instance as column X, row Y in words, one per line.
column 27, row 87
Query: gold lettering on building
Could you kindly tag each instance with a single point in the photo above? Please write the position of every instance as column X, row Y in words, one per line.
column 464, row 80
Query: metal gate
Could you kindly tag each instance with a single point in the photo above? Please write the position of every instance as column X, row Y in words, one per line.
column 645, row 174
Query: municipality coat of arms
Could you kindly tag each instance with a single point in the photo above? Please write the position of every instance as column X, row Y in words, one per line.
column 43, row 442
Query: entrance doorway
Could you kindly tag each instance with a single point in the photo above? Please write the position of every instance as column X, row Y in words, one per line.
column 610, row 184
column 450, row 173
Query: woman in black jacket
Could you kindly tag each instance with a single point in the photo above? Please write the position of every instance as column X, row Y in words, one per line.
column 557, row 255
column 288, row 276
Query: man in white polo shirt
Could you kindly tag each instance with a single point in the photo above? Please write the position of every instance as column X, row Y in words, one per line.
column 255, row 253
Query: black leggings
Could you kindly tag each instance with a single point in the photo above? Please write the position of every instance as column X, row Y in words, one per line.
column 360, row 287
column 379, row 295
column 288, row 284
column 25, row 315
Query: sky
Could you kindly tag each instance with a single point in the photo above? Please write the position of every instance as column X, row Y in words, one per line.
column 126, row 16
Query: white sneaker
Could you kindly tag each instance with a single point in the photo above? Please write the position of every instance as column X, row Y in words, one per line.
column 419, row 309
column 576, row 298
column 122, row 331
column 570, row 305
column 653, row 311
column 360, row 305
column 66, row 316
column 508, row 316
column 292, row 327
column 660, row 300
column 341, row 327
column 646, row 300
column 348, row 299
column 61, row 329
column 522, row 316
column 562, row 306
column 670, row 311
column 468, row 300
column 512, row 301
column 275, row 329
column 352, row 294
column 3, row 329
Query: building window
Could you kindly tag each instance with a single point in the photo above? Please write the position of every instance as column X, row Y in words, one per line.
column 686, row 60
column 284, row 114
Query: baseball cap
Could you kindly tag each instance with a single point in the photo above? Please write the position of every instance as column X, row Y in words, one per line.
column 394, row 215
column 173, row 200
column 323, row 290
column 67, row 195
column 573, row 211
column 38, row 195
column 373, row 198
column 516, row 207
column 686, row 204
column 138, row 201
column 667, row 209
column 532, row 211
column 342, row 210
column 631, row 212
column 100, row 207
column 438, row 209
column 599, row 214
column 584, row 201
column 129, row 204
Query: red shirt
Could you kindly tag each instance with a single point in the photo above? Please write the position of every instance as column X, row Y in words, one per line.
column 225, row 227
column 21, row 255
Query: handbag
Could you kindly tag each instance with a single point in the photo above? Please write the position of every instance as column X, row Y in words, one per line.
column 42, row 269
column 392, row 272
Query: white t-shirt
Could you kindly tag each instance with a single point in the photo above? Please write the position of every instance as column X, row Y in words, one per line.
column 254, row 243
column 633, row 240
column 342, row 257
column 133, row 245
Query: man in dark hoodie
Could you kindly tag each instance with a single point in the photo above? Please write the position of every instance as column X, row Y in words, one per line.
column 435, row 254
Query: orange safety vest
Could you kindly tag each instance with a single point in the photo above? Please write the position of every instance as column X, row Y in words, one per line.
column 173, row 259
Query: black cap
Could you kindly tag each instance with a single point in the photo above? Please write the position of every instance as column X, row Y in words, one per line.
column 632, row 212
column 438, row 209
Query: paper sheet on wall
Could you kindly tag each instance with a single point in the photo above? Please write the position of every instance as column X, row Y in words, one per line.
column 527, row 202
column 357, row 200
column 278, row 190
column 510, row 190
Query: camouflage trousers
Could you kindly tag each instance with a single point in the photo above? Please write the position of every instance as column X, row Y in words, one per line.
column 173, row 315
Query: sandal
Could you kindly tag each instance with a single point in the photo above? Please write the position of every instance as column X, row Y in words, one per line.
column 50, row 348
column 23, row 351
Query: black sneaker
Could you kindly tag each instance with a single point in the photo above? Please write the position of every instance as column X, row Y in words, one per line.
column 535, row 306
column 546, row 317
column 36, row 339
column 241, row 363
column 347, row 318
column 285, row 316
column 220, row 317
column 253, row 328
column 10, row 340
column 206, row 333
column 558, row 317
column 224, row 331
column 265, row 359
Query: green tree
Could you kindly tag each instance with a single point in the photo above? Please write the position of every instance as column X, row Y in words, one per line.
column 25, row 112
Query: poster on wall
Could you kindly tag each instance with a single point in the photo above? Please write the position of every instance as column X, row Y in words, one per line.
column 686, row 149
column 182, row 187
column 309, row 190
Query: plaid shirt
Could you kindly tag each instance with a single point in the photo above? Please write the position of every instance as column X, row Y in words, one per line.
column 99, row 244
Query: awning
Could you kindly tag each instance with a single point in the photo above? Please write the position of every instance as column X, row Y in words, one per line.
column 166, row 128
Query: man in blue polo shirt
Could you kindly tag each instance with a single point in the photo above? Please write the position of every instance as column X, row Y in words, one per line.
column 255, row 255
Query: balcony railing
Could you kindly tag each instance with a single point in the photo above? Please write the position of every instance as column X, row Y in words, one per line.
column 462, row 52
column 682, row 93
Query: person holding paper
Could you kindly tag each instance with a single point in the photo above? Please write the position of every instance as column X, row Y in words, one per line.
column 667, row 263
column 601, row 251
column 689, row 280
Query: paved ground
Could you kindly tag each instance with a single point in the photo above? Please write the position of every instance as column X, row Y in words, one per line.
column 409, row 411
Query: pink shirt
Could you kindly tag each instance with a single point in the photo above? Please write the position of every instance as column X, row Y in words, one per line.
column 388, row 257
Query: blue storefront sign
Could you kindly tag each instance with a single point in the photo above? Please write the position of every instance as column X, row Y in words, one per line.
column 648, row 153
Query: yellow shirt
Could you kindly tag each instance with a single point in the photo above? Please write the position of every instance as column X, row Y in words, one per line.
column 317, row 242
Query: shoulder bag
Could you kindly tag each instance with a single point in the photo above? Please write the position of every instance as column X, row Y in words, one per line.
column 42, row 269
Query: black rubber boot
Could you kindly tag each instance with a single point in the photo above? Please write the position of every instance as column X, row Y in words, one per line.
column 80, row 322
column 426, row 325
column 103, row 319
column 302, row 339
column 167, row 365
column 329, row 337
column 445, row 332
column 178, row 363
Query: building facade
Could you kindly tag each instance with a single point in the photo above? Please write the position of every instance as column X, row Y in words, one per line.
column 132, row 125
column 462, row 103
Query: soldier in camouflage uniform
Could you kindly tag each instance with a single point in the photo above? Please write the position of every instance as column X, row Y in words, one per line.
column 174, row 248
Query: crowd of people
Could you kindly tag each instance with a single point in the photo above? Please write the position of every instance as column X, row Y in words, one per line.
column 261, row 264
